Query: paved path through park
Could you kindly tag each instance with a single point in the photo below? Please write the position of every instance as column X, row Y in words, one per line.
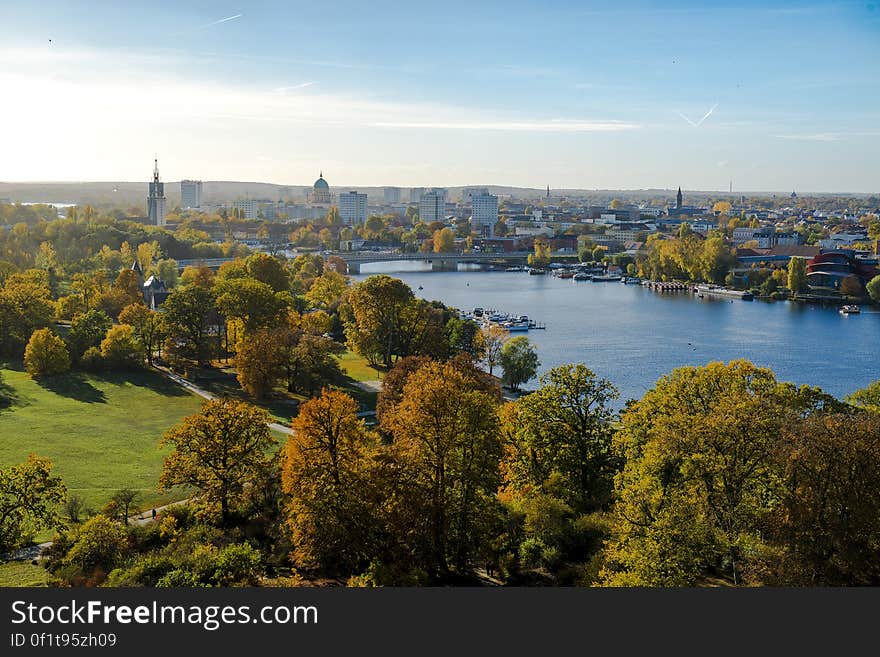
column 204, row 394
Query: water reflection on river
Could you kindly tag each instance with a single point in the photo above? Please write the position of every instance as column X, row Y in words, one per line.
column 632, row 336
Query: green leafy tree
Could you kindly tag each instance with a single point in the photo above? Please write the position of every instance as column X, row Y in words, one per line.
column 121, row 349
column 327, row 289
column 189, row 315
column 797, row 275
column 219, row 451
column 701, row 477
column 851, row 286
column 560, row 438
column 873, row 288
column 377, row 308
column 312, row 364
column 29, row 500
column 268, row 270
column 147, row 325
column 46, row 355
column 867, row 398
column 252, row 302
column 87, row 330
column 24, row 307
column 446, row 438
column 168, row 271
column 465, row 336
column 826, row 524
column 423, row 330
column 519, row 361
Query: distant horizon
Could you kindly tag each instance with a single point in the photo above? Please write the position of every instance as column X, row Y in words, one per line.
column 539, row 189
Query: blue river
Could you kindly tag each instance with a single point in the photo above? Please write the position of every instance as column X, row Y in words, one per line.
column 632, row 335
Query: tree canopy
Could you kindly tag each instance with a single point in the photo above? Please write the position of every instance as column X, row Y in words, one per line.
column 219, row 450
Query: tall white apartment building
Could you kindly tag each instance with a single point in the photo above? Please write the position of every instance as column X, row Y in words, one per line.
column 247, row 208
column 391, row 194
column 432, row 207
column 484, row 213
column 190, row 194
column 353, row 208
column 416, row 194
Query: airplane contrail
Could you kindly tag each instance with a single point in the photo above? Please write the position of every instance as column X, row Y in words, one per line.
column 705, row 116
column 302, row 85
column 207, row 25
column 222, row 20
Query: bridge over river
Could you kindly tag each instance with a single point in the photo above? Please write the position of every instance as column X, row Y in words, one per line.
column 438, row 261
column 355, row 259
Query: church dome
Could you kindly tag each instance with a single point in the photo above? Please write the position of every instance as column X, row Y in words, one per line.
column 321, row 184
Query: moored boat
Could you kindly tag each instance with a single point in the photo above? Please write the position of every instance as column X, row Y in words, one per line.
column 850, row 310
column 717, row 290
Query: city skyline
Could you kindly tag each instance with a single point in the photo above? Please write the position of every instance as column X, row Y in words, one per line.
column 771, row 97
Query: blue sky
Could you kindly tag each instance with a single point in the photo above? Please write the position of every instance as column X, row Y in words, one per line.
column 571, row 94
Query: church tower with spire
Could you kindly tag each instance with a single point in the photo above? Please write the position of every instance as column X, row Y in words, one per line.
column 678, row 200
column 156, row 200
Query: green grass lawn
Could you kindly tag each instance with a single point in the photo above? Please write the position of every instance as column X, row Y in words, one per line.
column 22, row 573
column 102, row 432
column 358, row 368
column 283, row 406
column 222, row 382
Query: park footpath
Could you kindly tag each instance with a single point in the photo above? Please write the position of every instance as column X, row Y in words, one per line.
column 368, row 386
column 34, row 552
column 204, row 394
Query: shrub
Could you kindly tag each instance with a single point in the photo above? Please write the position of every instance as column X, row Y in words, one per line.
column 531, row 550
column 46, row 355
column 98, row 544
column 179, row 578
column 91, row 360
column 120, row 349
column 86, row 330
column 146, row 571
column 237, row 564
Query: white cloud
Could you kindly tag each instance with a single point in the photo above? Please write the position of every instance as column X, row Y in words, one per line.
column 830, row 136
column 88, row 114
column 553, row 125
column 818, row 136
